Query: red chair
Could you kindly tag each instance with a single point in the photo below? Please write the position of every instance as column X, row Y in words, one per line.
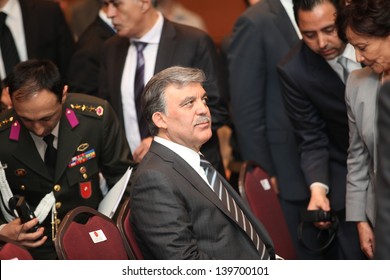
column 86, row 234
column 126, row 230
column 255, row 188
column 9, row 250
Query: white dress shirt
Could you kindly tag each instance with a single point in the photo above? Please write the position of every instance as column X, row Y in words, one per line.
column 152, row 38
column 14, row 22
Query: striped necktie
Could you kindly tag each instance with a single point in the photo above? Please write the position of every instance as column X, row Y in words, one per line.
column 231, row 205
column 139, row 87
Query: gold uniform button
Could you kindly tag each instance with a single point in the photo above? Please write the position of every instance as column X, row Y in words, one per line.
column 23, row 187
column 57, row 188
column 58, row 205
column 85, row 176
column 58, row 221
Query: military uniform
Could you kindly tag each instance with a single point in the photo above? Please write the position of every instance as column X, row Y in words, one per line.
column 90, row 141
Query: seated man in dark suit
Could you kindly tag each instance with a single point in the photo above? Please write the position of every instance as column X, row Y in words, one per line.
column 181, row 207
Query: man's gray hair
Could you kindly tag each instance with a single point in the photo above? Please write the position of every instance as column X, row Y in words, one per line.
column 153, row 99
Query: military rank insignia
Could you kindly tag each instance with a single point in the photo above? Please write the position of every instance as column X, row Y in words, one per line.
column 99, row 110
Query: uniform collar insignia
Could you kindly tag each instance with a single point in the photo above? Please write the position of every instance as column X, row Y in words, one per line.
column 15, row 131
column 72, row 118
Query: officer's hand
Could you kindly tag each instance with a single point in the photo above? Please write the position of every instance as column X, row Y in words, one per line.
column 18, row 232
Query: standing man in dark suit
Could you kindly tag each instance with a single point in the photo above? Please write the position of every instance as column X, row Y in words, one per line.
column 176, row 210
column 83, row 74
column 382, row 228
column 314, row 86
column 261, row 37
column 53, row 146
column 167, row 44
column 39, row 30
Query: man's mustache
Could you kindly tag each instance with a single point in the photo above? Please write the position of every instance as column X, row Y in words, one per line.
column 202, row 119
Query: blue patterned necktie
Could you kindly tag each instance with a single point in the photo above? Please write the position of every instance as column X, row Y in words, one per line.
column 139, row 87
column 228, row 201
column 7, row 44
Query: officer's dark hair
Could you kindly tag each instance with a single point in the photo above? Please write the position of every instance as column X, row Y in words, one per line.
column 366, row 17
column 31, row 76
column 153, row 99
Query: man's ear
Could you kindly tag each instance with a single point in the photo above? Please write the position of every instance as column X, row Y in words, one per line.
column 5, row 100
column 64, row 94
column 158, row 119
column 145, row 5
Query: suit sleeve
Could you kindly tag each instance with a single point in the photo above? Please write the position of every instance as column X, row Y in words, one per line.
column 65, row 42
column 382, row 225
column 247, row 77
column 310, row 129
column 87, row 58
column 165, row 225
column 357, row 164
column 116, row 152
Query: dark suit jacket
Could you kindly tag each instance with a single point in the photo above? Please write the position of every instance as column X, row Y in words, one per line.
column 261, row 37
column 314, row 97
column 179, row 45
column 382, row 225
column 176, row 215
column 47, row 33
column 84, row 66
column 102, row 133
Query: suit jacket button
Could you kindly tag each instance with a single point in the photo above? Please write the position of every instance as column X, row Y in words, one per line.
column 58, row 205
column 57, row 188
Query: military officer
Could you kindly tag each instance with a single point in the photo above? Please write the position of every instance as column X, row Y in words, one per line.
column 59, row 174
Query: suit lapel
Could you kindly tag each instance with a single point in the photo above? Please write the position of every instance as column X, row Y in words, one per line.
column 166, row 47
column 118, row 55
column 27, row 153
column 283, row 22
column 68, row 142
column 324, row 74
column 193, row 178
column 29, row 25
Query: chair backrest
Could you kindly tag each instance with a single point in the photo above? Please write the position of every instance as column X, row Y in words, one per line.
column 86, row 234
column 124, row 225
column 255, row 187
column 9, row 250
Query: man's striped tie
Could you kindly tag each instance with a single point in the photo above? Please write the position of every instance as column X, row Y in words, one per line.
column 215, row 182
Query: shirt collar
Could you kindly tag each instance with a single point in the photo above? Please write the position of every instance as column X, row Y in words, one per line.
column 190, row 156
column 153, row 35
column 11, row 8
column 349, row 53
